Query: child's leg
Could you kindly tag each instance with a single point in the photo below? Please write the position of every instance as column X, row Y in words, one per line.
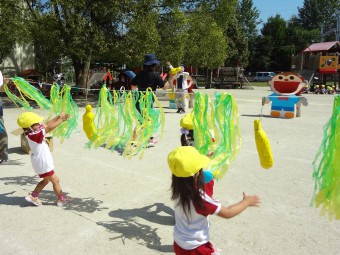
column 62, row 199
column 40, row 186
column 33, row 197
column 56, row 186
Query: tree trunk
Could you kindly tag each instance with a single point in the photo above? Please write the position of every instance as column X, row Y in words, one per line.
column 81, row 70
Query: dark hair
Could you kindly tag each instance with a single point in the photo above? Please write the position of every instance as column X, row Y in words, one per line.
column 185, row 138
column 186, row 189
column 149, row 68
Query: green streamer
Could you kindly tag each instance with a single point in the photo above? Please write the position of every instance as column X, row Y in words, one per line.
column 26, row 90
column 218, row 131
column 326, row 166
column 62, row 102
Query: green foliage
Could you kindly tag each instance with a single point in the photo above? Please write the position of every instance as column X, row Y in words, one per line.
column 204, row 33
column 12, row 19
column 205, row 44
column 172, row 29
column 315, row 13
column 248, row 18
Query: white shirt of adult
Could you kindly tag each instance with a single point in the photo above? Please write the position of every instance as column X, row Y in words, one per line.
column 1, row 79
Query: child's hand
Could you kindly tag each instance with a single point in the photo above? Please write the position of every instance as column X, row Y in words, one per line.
column 210, row 154
column 252, row 200
column 63, row 116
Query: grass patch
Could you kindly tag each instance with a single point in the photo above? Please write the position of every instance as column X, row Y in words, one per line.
column 259, row 84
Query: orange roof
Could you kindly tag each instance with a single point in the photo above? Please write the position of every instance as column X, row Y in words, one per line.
column 324, row 46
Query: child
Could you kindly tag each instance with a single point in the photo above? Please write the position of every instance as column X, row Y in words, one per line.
column 187, row 130
column 193, row 202
column 41, row 157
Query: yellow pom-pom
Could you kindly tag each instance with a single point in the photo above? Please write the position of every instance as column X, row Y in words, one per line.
column 263, row 146
column 88, row 122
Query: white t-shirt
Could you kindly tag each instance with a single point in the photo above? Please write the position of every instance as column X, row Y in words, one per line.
column 41, row 156
column 189, row 233
column 1, row 79
column 185, row 84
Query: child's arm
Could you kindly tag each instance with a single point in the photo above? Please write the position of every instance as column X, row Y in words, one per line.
column 53, row 123
column 235, row 209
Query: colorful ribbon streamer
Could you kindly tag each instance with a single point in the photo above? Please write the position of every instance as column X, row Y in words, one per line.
column 326, row 167
column 218, row 131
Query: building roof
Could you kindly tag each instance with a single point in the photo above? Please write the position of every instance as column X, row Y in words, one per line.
column 324, row 46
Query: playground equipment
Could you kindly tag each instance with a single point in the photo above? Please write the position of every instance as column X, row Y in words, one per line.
column 319, row 63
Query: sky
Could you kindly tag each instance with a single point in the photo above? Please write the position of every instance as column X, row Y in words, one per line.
column 286, row 8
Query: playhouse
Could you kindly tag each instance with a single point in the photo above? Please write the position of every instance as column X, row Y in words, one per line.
column 319, row 63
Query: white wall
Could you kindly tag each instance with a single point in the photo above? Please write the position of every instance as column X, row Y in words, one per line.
column 21, row 58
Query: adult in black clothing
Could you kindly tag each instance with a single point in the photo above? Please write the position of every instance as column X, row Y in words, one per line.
column 147, row 78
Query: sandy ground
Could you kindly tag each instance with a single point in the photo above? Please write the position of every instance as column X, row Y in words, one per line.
column 123, row 206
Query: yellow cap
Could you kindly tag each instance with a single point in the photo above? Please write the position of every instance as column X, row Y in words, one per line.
column 27, row 119
column 323, row 85
column 185, row 161
column 186, row 122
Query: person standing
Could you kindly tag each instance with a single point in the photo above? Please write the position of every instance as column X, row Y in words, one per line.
column 183, row 82
column 3, row 133
column 148, row 78
column 194, row 202
column 41, row 157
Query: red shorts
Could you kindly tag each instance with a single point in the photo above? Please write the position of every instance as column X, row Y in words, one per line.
column 204, row 249
column 50, row 173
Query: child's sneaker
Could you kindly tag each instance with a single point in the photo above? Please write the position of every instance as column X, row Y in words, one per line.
column 33, row 200
column 64, row 201
column 152, row 142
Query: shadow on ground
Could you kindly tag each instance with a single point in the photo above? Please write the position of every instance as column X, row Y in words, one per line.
column 47, row 197
column 128, row 225
column 256, row 116
column 16, row 150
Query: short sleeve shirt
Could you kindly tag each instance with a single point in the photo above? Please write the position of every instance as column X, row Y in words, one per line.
column 145, row 79
column 193, row 232
column 41, row 156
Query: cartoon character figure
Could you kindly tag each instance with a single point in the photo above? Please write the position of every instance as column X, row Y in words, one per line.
column 287, row 88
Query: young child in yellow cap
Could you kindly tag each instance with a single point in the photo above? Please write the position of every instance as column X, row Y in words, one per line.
column 41, row 157
column 187, row 130
column 194, row 203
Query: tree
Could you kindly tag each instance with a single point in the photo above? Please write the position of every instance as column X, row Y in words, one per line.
column 205, row 43
column 141, row 35
column 248, row 18
column 274, row 41
column 81, row 29
column 224, row 12
column 12, row 26
column 173, row 30
column 316, row 13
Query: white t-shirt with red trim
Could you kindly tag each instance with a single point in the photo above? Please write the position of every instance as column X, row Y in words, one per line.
column 41, row 156
column 189, row 233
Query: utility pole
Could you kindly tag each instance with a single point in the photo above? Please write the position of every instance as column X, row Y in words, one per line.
column 334, row 30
